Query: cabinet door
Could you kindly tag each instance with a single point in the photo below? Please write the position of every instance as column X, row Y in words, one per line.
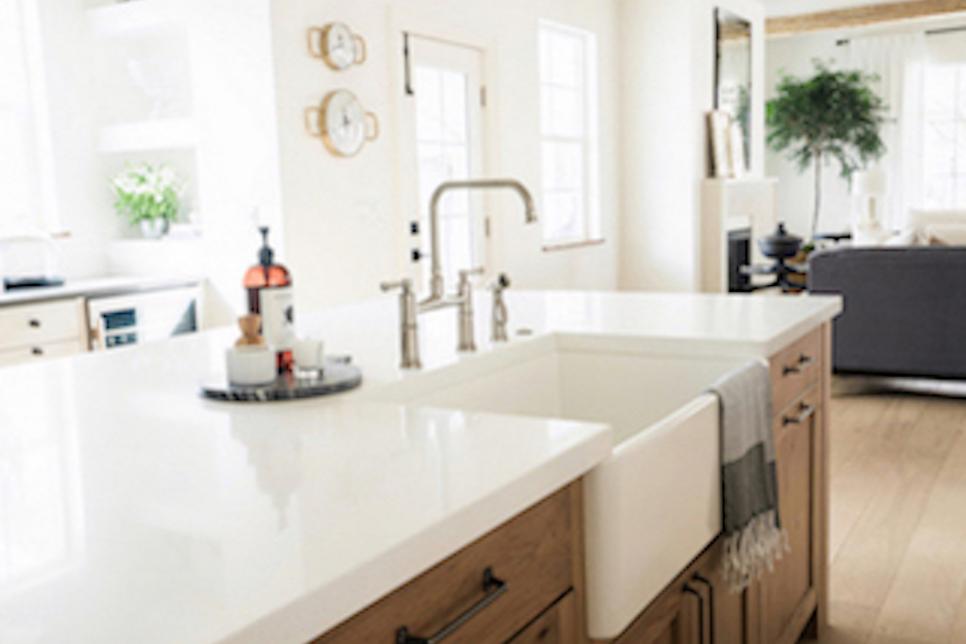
column 727, row 617
column 676, row 617
column 787, row 591
column 557, row 625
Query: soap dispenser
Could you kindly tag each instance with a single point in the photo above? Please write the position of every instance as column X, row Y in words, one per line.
column 269, row 287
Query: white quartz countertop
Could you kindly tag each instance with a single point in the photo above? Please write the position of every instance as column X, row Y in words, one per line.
column 94, row 287
column 133, row 510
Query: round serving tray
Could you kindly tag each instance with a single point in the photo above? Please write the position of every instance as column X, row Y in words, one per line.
column 337, row 375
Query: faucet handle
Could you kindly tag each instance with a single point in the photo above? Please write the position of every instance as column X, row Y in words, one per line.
column 404, row 285
column 502, row 282
column 466, row 274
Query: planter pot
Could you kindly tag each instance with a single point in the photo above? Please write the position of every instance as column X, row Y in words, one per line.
column 153, row 228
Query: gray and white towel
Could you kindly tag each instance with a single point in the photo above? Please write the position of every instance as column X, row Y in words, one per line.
column 754, row 538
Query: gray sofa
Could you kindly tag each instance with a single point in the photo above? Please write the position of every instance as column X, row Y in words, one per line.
column 905, row 309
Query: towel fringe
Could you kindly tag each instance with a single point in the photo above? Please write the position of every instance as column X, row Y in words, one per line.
column 752, row 551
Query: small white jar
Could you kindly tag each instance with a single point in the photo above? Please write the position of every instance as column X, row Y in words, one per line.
column 251, row 366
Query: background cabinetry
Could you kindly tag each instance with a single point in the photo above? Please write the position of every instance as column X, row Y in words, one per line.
column 45, row 330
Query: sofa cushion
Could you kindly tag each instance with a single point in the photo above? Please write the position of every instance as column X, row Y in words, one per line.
column 945, row 234
column 921, row 219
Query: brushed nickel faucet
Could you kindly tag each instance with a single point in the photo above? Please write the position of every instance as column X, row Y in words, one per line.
column 408, row 328
column 409, row 308
column 437, row 288
column 498, row 313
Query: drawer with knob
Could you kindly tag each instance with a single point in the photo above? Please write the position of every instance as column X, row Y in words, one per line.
column 796, row 369
column 489, row 591
column 37, row 352
column 31, row 325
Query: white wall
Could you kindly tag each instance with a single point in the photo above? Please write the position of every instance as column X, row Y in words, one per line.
column 344, row 229
column 81, row 200
column 237, row 154
column 667, row 66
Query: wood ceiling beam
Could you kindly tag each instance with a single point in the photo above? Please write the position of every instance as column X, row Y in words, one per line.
column 861, row 16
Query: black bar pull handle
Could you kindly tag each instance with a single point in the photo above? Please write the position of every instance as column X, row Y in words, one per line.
column 493, row 588
column 700, row 579
column 691, row 591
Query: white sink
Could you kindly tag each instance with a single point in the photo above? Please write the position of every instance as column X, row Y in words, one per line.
column 655, row 502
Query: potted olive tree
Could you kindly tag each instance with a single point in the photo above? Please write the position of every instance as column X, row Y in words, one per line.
column 832, row 115
column 149, row 196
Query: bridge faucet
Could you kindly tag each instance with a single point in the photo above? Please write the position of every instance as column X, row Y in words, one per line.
column 437, row 287
column 409, row 308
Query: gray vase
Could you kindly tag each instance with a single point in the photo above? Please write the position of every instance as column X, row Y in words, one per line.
column 153, row 228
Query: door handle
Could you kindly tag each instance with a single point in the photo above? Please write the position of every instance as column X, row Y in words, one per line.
column 805, row 411
column 804, row 362
column 700, row 579
column 493, row 589
column 691, row 591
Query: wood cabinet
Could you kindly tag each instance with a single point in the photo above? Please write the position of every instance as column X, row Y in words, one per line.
column 43, row 330
column 697, row 608
column 791, row 601
column 524, row 579
column 555, row 626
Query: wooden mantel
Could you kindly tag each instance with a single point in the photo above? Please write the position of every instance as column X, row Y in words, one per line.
column 861, row 16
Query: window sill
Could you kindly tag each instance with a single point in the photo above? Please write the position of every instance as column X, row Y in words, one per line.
column 572, row 245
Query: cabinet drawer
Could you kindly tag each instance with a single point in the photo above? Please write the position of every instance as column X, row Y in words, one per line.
column 795, row 369
column 39, row 352
column 556, row 626
column 36, row 324
column 531, row 556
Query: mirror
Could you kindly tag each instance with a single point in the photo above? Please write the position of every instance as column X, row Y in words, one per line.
column 732, row 92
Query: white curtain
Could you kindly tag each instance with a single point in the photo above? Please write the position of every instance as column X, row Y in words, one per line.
column 899, row 62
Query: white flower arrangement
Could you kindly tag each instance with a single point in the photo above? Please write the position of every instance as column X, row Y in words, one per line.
column 146, row 192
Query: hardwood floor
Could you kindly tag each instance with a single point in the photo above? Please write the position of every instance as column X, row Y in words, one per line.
column 898, row 519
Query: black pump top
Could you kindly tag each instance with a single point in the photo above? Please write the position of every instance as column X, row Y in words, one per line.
column 266, row 256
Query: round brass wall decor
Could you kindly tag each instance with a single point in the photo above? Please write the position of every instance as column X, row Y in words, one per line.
column 342, row 123
column 337, row 46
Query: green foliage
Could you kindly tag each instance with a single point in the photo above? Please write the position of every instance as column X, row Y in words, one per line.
column 833, row 114
column 145, row 193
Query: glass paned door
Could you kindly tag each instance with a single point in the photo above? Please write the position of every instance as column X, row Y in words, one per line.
column 446, row 120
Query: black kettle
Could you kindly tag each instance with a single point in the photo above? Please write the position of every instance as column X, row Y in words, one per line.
column 781, row 244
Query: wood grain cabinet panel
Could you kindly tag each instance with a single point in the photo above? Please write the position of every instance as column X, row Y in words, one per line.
column 795, row 369
column 787, row 588
column 697, row 608
column 555, row 626
column 532, row 556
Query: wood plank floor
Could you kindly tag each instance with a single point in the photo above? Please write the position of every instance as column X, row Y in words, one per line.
column 898, row 519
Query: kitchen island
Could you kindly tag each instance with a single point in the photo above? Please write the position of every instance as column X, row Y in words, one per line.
column 133, row 510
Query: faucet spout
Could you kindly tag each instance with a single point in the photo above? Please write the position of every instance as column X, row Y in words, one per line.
column 437, row 287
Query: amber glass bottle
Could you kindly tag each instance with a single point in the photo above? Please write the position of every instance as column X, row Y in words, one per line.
column 269, row 287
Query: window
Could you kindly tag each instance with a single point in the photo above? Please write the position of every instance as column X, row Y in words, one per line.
column 20, row 82
column 568, row 95
column 944, row 160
